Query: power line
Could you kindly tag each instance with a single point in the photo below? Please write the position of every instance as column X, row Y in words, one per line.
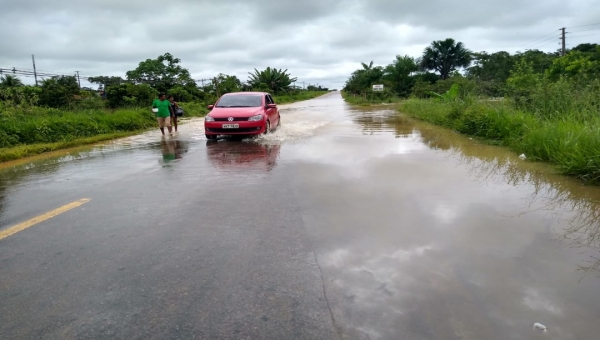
column 536, row 39
column 593, row 29
column 544, row 42
column 584, row 25
column 558, row 43
column 585, row 35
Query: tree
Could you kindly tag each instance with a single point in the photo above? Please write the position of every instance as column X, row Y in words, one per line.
column 445, row 56
column 7, row 81
column 361, row 80
column 162, row 73
column 492, row 67
column 398, row 74
column 128, row 94
column 275, row 80
column 576, row 64
column 227, row 84
column 586, row 47
column 540, row 61
column 106, row 81
column 59, row 91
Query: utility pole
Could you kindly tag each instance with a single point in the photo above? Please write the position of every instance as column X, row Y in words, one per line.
column 78, row 80
column 34, row 71
column 564, row 43
column 217, row 86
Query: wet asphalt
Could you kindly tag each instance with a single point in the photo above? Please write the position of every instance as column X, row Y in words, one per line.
column 346, row 223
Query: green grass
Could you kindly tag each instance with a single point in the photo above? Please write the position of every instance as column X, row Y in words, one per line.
column 568, row 142
column 371, row 99
column 34, row 130
column 16, row 152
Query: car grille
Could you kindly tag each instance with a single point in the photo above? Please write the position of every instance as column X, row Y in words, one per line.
column 235, row 119
column 240, row 130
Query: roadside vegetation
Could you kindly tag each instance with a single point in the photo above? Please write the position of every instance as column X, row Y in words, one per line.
column 59, row 114
column 543, row 105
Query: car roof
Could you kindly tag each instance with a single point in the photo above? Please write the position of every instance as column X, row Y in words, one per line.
column 243, row 93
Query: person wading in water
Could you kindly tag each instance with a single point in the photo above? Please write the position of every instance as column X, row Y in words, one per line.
column 164, row 112
column 174, row 108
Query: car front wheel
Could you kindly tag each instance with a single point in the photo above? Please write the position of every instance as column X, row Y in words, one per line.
column 267, row 127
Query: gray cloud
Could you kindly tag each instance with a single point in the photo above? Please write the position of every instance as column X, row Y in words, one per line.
column 318, row 41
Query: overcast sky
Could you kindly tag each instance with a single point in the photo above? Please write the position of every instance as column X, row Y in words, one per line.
column 318, row 41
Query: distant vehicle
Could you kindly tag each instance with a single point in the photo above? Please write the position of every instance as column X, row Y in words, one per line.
column 242, row 113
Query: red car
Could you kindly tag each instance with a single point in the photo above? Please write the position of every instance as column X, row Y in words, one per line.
column 242, row 113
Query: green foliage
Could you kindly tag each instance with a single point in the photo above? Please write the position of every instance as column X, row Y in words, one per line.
column 522, row 80
column 180, row 94
column 492, row 67
column 106, row 81
column 49, row 126
column 540, row 61
column 9, row 81
column 59, row 91
column 194, row 109
column 20, row 95
column 567, row 141
column 91, row 103
column 362, row 80
column 450, row 95
column 162, row 73
column 397, row 75
column 577, row 65
column 276, row 81
column 445, row 56
column 465, row 87
column 131, row 95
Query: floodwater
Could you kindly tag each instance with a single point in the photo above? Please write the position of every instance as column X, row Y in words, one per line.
column 418, row 232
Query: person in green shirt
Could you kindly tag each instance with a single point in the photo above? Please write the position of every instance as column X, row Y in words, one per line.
column 163, row 113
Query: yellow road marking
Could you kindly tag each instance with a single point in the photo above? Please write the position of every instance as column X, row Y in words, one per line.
column 24, row 225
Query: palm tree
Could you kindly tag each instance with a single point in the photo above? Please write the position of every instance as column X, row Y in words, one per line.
column 398, row 74
column 275, row 80
column 10, row 81
column 367, row 67
column 445, row 56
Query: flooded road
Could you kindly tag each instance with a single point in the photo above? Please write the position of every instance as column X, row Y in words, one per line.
column 346, row 223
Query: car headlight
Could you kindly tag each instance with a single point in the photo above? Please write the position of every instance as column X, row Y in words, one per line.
column 209, row 119
column 256, row 118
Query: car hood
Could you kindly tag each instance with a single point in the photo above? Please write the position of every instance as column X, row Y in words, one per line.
column 225, row 112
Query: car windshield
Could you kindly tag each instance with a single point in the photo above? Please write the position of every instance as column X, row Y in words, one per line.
column 240, row 101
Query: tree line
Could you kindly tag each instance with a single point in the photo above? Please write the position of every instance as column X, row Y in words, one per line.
column 164, row 74
column 446, row 62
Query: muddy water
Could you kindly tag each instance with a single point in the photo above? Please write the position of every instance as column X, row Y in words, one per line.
column 422, row 233
column 419, row 233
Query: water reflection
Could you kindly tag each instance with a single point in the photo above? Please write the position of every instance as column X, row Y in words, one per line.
column 173, row 149
column 563, row 198
column 230, row 155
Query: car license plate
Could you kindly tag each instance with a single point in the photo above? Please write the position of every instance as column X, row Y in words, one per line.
column 231, row 126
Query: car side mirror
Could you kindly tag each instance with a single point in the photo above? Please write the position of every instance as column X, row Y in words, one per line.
column 210, row 107
column 271, row 106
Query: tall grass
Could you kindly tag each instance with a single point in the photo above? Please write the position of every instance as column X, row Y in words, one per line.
column 370, row 98
column 571, row 140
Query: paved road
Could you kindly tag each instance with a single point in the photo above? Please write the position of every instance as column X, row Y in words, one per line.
column 344, row 224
